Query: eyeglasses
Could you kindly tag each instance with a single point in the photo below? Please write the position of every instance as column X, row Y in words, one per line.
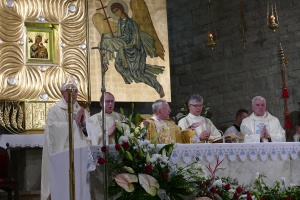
column 109, row 101
column 197, row 105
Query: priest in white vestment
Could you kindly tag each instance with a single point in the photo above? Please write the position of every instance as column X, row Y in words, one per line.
column 205, row 129
column 261, row 126
column 111, row 120
column 56, row 134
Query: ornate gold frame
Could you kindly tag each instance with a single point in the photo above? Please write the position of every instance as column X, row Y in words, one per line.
column 41, row 82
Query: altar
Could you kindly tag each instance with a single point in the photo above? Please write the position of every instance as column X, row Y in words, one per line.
column 240, row 160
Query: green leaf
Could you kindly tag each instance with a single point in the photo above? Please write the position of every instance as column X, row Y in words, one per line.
column 122, row 111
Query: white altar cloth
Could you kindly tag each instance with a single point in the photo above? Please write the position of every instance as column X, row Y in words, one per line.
column 22, row 140
column 241, row 161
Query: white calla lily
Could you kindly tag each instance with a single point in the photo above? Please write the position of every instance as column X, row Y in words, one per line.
column 125, row 181
column 149, row 183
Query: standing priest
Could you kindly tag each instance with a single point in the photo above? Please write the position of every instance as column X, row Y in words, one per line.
column 56, row 135
column 261, row 126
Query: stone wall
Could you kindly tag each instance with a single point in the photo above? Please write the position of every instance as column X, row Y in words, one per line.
column 228, row 76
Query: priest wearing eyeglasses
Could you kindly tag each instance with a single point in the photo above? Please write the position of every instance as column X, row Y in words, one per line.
column 204, row 129
column 111, row 120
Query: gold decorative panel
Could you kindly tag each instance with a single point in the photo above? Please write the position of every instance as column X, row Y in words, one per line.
column 36, row 113
column 30, row 83
column 42, row 81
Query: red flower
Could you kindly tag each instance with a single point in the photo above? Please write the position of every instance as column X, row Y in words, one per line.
column 165, row 176
column 249, row 197
column 247, row 192
column 261, row 198
column 236, row 195
column 213, row 190
column 101, row 161
column 118, row 147
column 287, row 198
column 207, row 183
column 239, row 189
column 227, row 186
column 125, row 145
column 220, row 192
column 103, row 149
column 148, row 169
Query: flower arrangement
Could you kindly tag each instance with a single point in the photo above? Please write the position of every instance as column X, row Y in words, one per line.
column 279, row 191
column 184, row 111
column 141, row 170
column 226, row 188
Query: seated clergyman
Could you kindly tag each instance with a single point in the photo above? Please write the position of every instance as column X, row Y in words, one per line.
column 160, row 127
column 203, row 127
column 261, row 126
column 235, row 128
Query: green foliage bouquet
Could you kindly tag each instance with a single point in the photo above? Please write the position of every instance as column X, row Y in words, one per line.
column 140, row 169
column 279, row 191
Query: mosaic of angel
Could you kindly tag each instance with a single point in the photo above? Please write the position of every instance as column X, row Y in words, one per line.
column 130, row 41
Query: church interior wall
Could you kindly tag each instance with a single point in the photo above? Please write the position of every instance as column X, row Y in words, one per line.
column 229, row 76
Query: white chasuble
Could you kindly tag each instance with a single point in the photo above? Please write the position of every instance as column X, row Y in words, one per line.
column 252, row 126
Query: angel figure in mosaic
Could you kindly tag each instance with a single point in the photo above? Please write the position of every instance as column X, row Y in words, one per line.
column 130, row 41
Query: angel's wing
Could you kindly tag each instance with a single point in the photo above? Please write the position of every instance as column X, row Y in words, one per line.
column 101, row 24
column 141, row 15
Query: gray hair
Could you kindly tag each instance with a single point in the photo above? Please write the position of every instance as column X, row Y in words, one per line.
column 64, row 87
column 195, row 97
column 258, row 97
column 157, row 105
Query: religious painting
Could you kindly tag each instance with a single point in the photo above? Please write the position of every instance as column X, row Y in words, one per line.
column 132, row 46
column 40, row 44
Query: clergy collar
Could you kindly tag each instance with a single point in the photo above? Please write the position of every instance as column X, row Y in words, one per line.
column 64, row 105
column 155, row 118
column 264, row 116
column 107, row 113
column 193, row 116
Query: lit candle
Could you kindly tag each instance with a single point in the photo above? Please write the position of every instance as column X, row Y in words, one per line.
column 272, row 17
column 210, row 35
